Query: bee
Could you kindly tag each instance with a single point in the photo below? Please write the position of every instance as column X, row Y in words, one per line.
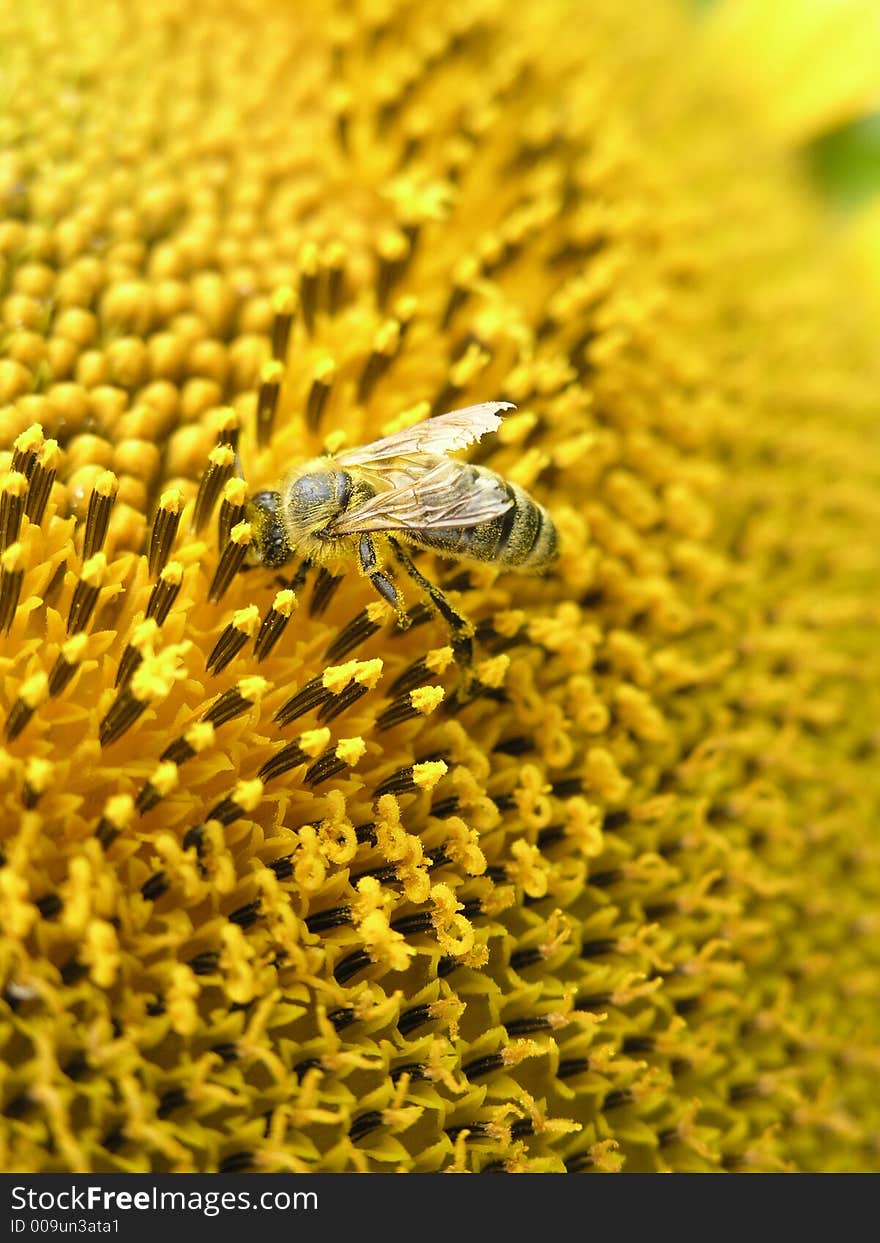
column 368, row 501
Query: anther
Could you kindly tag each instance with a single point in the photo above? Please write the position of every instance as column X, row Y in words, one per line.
column 284, row 309
column 483, row 1066
column 152, row 680
column 274, row 623
column 342, row 1017
column 154, row 886
column 118, row 812
column 101, row 504
column 221, row 463
column 67, row 662
column 393, row 252
column 271, row 376
column 41, row 480
column 526, row 1026
column 231, row 509
column 174, row 1098
column 233, row 638
column 32, row 692
column 283, row 761
column 196, row 739
column 50, row 907
column 325, row 374
column 344, row 970
column 26, row 448
column 414, row 1018
column 414, row 675
column 340, row 703
column 309, row 279
column 38, row 775
column 399, row 782
column 124, row 711
column 142, row 640
column 13, row 498
column 421, row 701
column 165, row 592
column 160, row 784
column 245, row 797
column 86, row 592
column 334, row 260
column 165, row 525
column 236, row 700
column 11, row 579
column 385, row 346
column 312, row 695
column 361, row 627
column 205, row 963
column 325, row 585
column 334, row 917
column 226, row 423
column 231, row 560
column 340, row 101
column 247, row 915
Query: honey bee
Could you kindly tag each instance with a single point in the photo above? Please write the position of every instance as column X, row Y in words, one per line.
column 403, row 488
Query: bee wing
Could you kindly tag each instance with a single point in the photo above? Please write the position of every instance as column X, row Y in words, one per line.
column 450, row 494
column 439, row 435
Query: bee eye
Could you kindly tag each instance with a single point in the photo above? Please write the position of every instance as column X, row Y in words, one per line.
column 313, row 490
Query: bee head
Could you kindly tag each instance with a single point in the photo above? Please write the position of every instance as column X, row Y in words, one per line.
column 270, row 545
column 312, row 499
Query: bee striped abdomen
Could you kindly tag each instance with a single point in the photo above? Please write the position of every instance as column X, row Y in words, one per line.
column 523, row 537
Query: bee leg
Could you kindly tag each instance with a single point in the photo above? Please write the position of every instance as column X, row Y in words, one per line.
column 380, row 580
column 462, row 631
column 295, row 583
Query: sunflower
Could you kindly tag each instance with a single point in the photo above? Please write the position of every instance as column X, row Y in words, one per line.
column 275, row 895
